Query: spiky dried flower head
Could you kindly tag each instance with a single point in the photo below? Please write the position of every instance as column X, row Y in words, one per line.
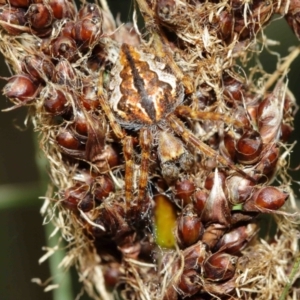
column 162, row 152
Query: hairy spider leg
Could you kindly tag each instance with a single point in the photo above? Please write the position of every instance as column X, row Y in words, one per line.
column 189, row 138
column 145, row 143
column 129, row 169
column 127, row 150
column 186, row 111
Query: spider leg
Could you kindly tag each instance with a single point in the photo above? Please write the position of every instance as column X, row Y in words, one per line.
column 129, row 173
column 113, row 123
column 180, row 129
column 204, row 115
column 145, row 143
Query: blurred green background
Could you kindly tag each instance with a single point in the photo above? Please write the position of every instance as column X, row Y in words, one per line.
column 21, row 232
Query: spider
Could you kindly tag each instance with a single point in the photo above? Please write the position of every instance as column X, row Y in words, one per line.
column 145, row 96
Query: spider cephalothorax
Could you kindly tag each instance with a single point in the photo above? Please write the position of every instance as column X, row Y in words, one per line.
column 145, row 95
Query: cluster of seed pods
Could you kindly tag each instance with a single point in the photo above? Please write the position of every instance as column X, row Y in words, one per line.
column 198, row 215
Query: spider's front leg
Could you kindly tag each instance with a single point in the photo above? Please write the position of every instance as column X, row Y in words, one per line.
column 127, row 150
column 186, row 111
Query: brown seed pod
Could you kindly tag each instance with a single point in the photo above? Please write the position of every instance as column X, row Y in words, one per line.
column 199, row 201
column 184, row 190
column 216, row 208
column 209, row 181
column 21, row 88
column 212, row 234
column 112, row 274
column 78, row 196
column 62, row 9
column 67, row 29
column 249, row 147
column 239, row 189
column 269, row 115
column 63, row 47
column 233, row 89
column 55, row 101
column 189, row 283
column 89, row 97
column 90, row 10
column 65, row 74
column 80, row 124
column 194, row 256
column 87, row 31
column 268, row 162
column 266, row 199
column 66, row 139
column 39, row 16
column 102, row 187
column 236, row 239
column 227, row 147
column 19, row 3
column 226, row 22
column 13, row 20
column 39, row 68
column 189, row 230
column 220, row 266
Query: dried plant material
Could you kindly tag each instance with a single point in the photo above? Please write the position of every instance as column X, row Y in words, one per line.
column 163, row 150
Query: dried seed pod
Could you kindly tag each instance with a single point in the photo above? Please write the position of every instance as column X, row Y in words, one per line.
column 268, row 162
column 220, row 266
column 19, row 3
column 39, row 16
column 239, row 189
column 80, row 125
column 194, row 256
column 226, row 22
column 189, row 283
column 90, row 10
column 20, row 88
column 189, row 229
column 55, row 101
column 112, row 222
column 112, row 274
column 212, row 234
column 78, row 196
column 67, row 30
column 233, row 89
column 63, row 47
column 216, row 208
column 199, row 201
column 66, row 139
column 249, row 147
column 269, row 115
column 13, row 19
column 39, row 68
column 209, row 181
column 65, row 74
column 236, row 240
column 87, row 31
column 266, row 199
column 102, row 187
column 89, row 97
column 184, row 190
column 62, row 9
column 227, row 147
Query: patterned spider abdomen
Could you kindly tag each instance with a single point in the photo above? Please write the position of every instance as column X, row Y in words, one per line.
column 144, row 90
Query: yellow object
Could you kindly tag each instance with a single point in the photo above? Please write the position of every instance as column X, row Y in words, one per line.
column 165, row 222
